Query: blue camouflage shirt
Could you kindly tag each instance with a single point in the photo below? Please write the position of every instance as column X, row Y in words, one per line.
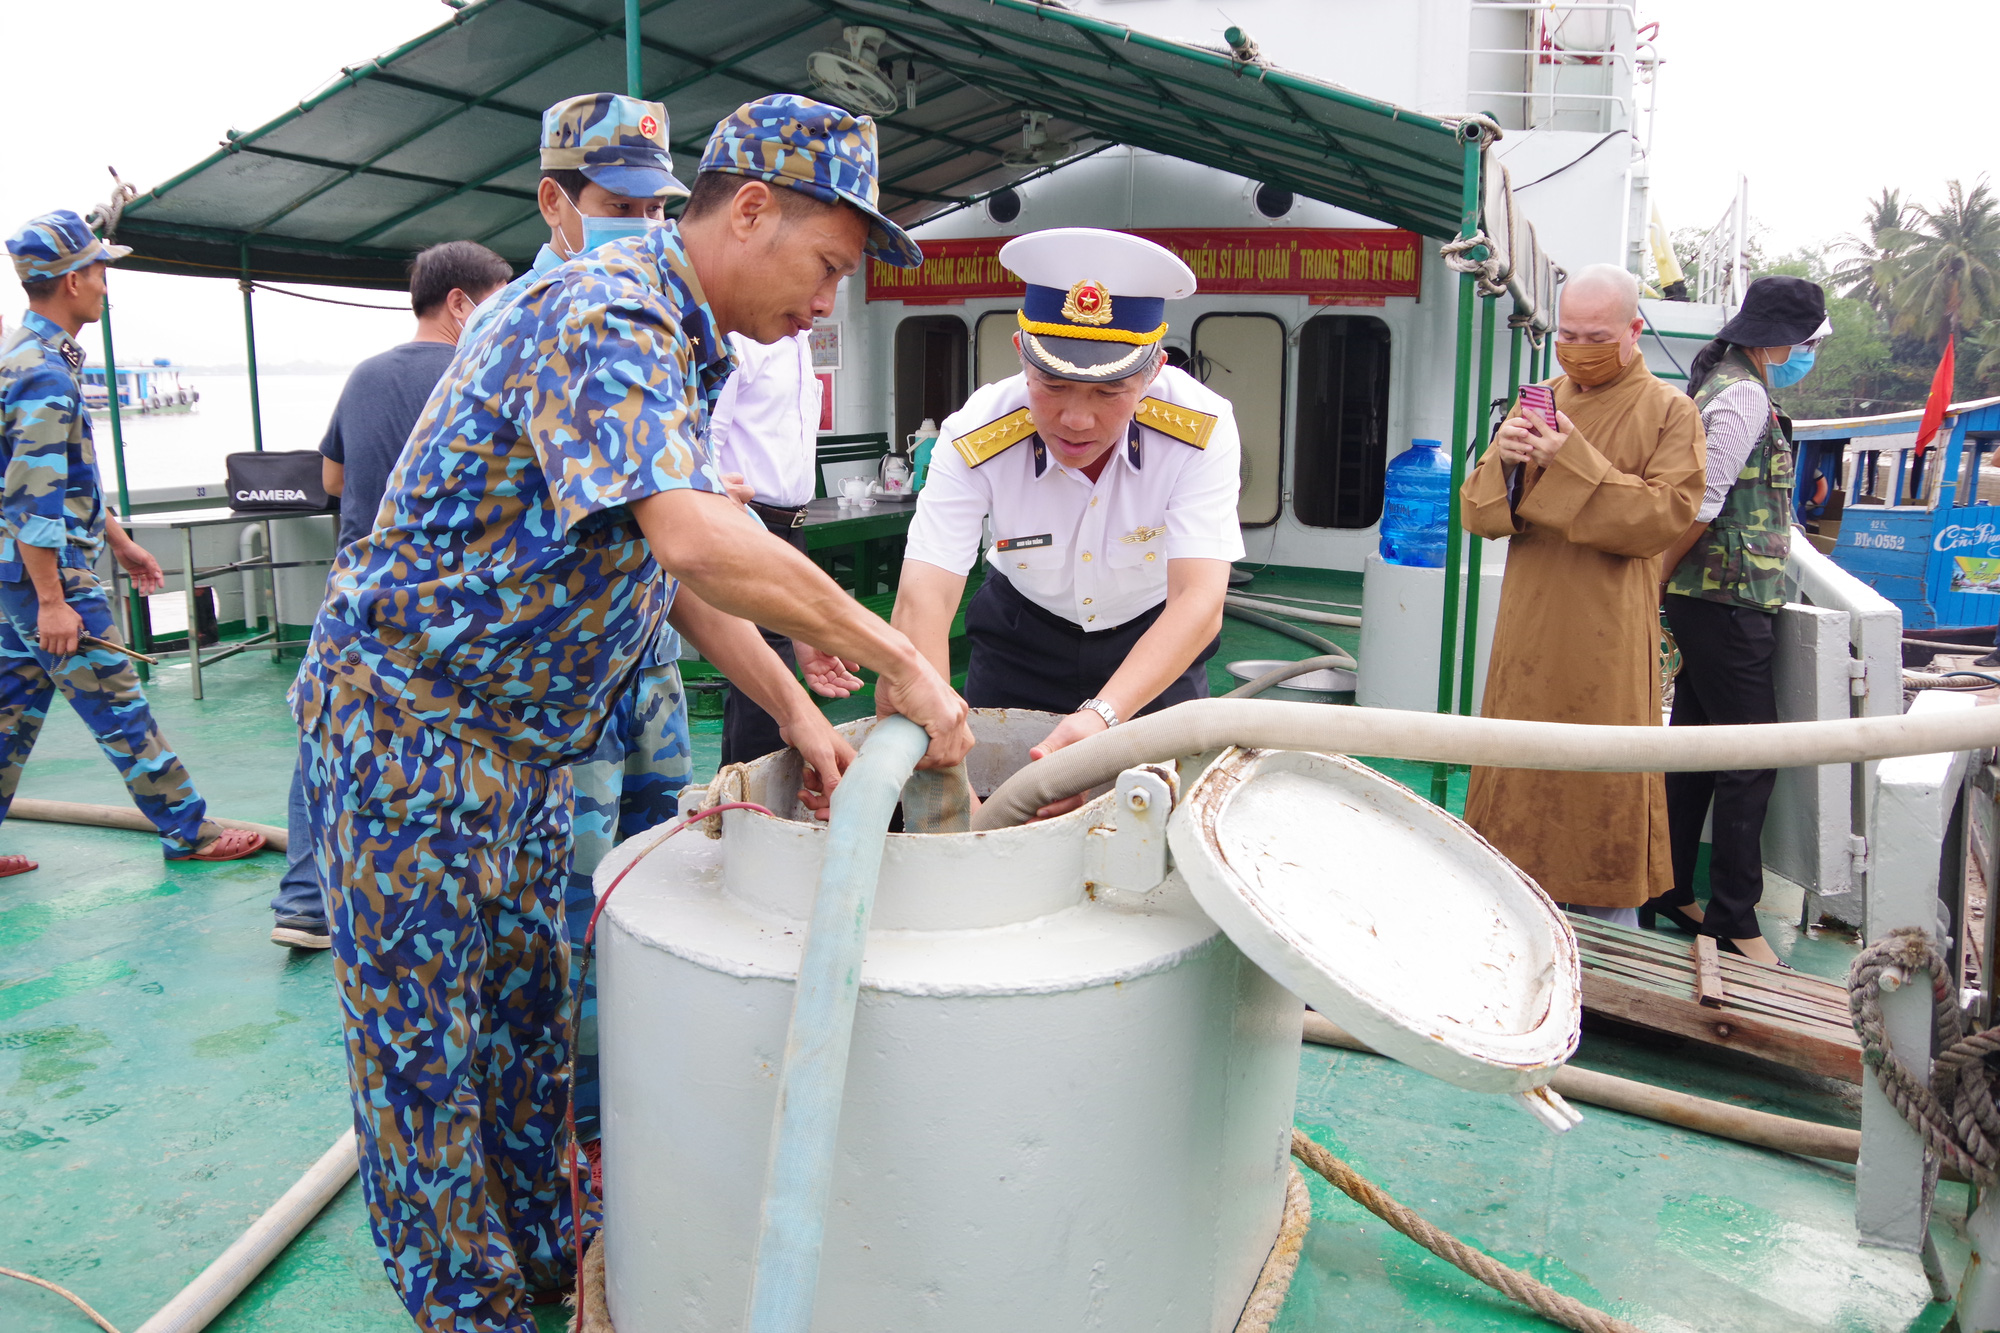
column 666, row 647
column 49, row 493
column 506, row 592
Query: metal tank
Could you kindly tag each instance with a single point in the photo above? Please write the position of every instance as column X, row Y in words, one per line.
column 1069, row 1101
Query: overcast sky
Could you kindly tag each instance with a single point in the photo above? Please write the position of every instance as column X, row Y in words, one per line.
column 1819, row 105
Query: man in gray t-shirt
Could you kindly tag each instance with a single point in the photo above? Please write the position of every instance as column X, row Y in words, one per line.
column 386, row 394
column 379, row 406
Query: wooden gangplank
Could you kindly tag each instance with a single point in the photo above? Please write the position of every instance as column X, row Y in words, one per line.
column 1659, row 980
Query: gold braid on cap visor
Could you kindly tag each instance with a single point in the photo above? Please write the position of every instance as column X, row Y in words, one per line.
column 1111, row 370
column 1094, row 335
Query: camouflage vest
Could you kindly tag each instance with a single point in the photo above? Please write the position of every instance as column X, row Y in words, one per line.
column 1741, row 558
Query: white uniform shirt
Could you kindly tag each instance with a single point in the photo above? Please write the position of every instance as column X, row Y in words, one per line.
column 1095, row 554
column 766, row 420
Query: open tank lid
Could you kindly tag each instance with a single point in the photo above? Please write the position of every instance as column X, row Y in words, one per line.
column 1384, row 913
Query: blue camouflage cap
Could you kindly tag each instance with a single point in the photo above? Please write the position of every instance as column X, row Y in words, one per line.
column 58, row 243
column 806, row 145
column 617, row 142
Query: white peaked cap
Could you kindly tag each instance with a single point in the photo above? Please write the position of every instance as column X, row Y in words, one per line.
column 1127, row 265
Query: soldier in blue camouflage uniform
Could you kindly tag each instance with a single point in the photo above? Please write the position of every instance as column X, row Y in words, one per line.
column 476, row 643
column 52, row 526
column 607, row 173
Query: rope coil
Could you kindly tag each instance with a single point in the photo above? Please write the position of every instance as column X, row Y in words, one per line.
column 1953, row 1111
column 1457, row 257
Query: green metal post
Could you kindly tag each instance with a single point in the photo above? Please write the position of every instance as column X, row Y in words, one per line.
column 117, row 422
column 1461, row 395
column 635, row 83
column 1482, row 414
column 135, row 620
column 250, row 344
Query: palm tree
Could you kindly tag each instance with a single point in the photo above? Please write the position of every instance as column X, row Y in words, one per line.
column 1866, row 273
column 1947, row 264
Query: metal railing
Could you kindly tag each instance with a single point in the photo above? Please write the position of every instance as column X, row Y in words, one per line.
column 1721, row 267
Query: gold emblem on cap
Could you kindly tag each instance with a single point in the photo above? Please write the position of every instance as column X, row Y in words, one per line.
column 1087, row 303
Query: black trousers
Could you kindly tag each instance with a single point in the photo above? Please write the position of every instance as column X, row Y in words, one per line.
column 748, row 732
column 1726, row 679
column 1024, row 656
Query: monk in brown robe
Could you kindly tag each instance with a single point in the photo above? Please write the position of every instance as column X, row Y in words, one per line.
column 1601, row 493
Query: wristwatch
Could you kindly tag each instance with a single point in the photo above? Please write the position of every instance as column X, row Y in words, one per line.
column 1102, row 708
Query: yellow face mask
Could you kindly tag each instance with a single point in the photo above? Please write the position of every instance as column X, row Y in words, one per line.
column 1590, row 364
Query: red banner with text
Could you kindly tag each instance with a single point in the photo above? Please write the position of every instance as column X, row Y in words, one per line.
column 1330, row 266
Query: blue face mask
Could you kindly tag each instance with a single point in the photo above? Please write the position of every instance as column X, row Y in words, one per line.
column 1793, row 369
column 597, row 231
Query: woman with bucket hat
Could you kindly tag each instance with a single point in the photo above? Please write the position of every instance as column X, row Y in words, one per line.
column 1723, row 585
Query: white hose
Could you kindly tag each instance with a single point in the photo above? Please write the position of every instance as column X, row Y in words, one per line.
column 125, row 817
column 1213, row 724
column 1295, row 612
column 224, row 1280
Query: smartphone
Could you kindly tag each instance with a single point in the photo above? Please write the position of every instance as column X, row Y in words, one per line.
column 1541, row 400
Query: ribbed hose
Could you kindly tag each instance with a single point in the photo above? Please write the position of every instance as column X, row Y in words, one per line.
column 125, row 817
column 1232, row 608
column 224, row 1280
column 799, row 1178
column 1295, row 612
column 1213, row 724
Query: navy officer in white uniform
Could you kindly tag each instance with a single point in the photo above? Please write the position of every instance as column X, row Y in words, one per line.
column 1110, row 482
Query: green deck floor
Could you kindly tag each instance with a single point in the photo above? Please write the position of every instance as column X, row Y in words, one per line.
column 165, row 1073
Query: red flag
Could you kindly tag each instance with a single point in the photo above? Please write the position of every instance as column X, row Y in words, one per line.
column 1940, row 399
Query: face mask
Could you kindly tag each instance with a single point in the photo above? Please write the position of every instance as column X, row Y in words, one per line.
column 1791, row 370
column 1590, row 364
column 597, row 231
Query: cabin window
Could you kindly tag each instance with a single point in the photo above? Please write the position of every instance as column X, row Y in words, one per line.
column 1242, row 357
column 995, row 358
column 931, row 363
column 1342, row 441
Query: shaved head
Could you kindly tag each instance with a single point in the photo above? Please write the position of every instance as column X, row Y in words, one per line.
column 1610, row 291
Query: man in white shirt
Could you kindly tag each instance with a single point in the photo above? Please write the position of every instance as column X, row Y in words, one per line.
column 1110, row 480
column 764, row 428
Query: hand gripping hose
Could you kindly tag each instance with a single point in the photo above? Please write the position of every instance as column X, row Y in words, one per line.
column 1389, row 733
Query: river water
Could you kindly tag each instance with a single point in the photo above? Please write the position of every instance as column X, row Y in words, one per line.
column 188, row 449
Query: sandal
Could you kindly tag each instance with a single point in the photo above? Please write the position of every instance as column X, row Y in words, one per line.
column 230, row 845
column 16, row 865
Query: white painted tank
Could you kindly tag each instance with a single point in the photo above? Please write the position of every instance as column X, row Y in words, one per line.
column 1070, row 1096
column 1401, row 609
column 1067, row 1107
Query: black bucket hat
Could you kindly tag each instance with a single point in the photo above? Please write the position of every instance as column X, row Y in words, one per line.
column 1777, row 312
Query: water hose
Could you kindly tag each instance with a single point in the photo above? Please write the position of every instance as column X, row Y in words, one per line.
column 1295, row 612
column 1213, row 724
column 1317, row 642
column 1279, row 675
column 799, row 1178
column 125, row 817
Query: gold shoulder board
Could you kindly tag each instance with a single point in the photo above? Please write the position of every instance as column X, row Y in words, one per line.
column 1183, row 423
column 993, row 438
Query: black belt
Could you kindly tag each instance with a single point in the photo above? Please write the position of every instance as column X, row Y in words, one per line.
column 779, row 519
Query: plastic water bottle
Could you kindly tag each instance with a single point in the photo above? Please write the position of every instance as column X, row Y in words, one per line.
column 1416, row 508
column 922, row 441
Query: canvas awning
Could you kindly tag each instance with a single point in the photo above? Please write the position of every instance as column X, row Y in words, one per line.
column 436, row 140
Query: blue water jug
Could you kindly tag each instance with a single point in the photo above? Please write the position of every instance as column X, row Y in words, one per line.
column 1416, row 507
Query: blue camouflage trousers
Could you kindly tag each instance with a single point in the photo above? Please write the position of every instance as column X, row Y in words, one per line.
column 630, row 783
column 103, row 689
column 444, row 865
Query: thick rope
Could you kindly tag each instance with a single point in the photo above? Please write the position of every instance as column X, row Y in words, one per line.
column 66, row 1294
column 1457, row 257
column 1953, row 1112
column 1274, row 1281
column 1545, row 1301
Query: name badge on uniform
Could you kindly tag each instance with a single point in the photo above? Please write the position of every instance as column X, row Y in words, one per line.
column 1024, row 543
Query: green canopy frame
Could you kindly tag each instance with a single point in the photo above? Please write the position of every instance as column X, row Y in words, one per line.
column 435, row 140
